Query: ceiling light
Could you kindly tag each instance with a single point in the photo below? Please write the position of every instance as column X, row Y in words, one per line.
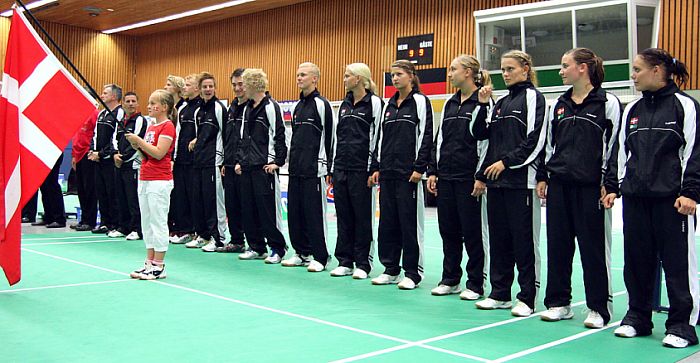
column 34, row 5
column 206, row 9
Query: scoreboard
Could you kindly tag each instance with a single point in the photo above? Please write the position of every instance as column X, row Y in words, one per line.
column 417, row 49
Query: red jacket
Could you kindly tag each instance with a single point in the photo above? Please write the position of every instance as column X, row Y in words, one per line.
column 81, row 139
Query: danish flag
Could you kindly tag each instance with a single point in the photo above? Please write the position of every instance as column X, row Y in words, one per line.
column 41, row 108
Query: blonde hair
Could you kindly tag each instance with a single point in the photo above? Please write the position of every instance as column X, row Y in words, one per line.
column 362, row 70
column 255, row 79
column 525, row 60
column 314, row 68
column 178, row 82
column 167, row 99
column 195, row 78
column 481, row 76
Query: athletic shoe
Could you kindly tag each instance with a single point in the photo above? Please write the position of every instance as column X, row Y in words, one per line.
column 210, row 246
column 56, row 225
column 521, row 310
column 133, row 236
column 407, row 284
column 557, row 313
column 173, row 238
column 154, row 273
column 626, row 331
column 468, row 294
column 296, row 260
column 442, row 290
column 115, row 234
column 674, row 341
column 594, row 320
column 274, row 258
column 196, row 243
column 359, row 274
column 341, row 271
column 315, row 266
column 385, row 279
column 100, row 230
column 83, row 228
column 178, row 240
column 251, row 255
column 231, row 247
column 136, row 274
column 491, row 304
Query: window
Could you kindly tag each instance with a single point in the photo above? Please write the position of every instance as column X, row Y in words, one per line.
column 498, row 38
column 547, row 37
column 604, row 30
column 645, row 22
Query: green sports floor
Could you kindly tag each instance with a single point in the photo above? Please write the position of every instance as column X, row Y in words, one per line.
column 76, row 303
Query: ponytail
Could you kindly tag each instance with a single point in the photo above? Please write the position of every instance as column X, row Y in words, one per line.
column 596, row 72
column 675, row 69
column 409, row 68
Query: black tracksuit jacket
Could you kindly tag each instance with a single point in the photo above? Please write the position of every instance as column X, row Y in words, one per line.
column 186, row 130
column 357, row 134
column 105, row 139
column 209, row 148
column 262, row 135
column 136, row 125
column 232, row 133
column 312, row 137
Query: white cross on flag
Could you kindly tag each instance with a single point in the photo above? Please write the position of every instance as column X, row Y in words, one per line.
column 41, row 107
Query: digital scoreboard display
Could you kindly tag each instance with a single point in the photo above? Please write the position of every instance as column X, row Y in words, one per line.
column 417, row 49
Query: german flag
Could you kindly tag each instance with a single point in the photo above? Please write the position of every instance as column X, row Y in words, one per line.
column 433, row 81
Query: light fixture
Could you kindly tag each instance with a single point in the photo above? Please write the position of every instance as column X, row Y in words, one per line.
column 185, row 14
column 34, row 5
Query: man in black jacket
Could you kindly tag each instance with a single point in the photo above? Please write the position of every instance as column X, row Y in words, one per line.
column 102, row 149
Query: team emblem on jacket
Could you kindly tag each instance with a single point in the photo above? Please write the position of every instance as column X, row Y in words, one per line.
column 388, row 113
column 560, row 113
column 633, row 122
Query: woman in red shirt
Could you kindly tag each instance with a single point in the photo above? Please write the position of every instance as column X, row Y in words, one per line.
column 155, row 182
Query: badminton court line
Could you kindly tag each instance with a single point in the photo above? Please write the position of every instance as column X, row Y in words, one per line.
column 265, row 308
column 450, row 335
column 71, row 242
column 58, row 238
column 554, row 343
column 65, row 285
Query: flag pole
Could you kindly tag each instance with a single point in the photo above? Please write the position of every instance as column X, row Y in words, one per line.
column 65, row 57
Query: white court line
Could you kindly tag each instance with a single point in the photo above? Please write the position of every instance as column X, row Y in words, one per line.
column 70, row 243
column 451, row 335
column 554, row 343
column 66, row 285
column 265, row 308
column 57, row 238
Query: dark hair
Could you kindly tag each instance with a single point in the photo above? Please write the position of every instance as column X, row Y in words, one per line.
column 596, row 73
column 409, row 68
column 672, row 66
column 131, row 93
column 237, row 73
column 205, row 76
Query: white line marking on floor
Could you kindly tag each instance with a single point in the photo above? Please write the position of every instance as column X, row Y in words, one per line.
column 71, row 243
column 273, row 310
column 454, row 334
column 57, row 238
column 554, row 343
column 62, row 286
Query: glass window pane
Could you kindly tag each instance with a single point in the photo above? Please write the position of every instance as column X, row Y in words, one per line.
column 645, row 23
column 604, row 30
column 547, row 37
column 498, row 37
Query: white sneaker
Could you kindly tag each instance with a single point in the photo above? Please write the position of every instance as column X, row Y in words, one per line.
column 315, row 266
column 273, row 258
column 468, row 294
column 133, row 236
column 136, row 274
column 115, row 234
column 491, row 304
column 251, row 255
column 442, row 290
column 557, row 313
column 210, row 246
column 296, row 260
column 341, row 271
column 359, row 274
column 178, row 240
column 173, row 238
column 521, row 310
column 674, row 341
column 593, row 320
column 626, row 331
column 385, row 279
column 407, row 284
column 196, row 243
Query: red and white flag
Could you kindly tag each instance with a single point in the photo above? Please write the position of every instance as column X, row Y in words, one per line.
column 41, row 108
